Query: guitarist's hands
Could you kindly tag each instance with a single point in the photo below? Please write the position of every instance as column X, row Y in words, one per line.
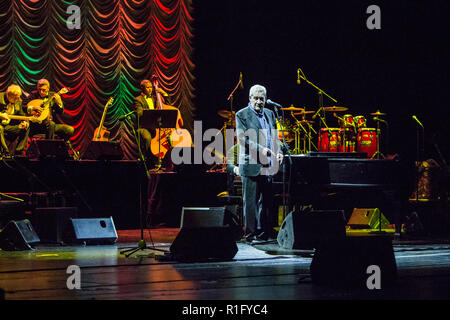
column 36, row 110
column 57, row 98
column 4, row 116
column 24, row 125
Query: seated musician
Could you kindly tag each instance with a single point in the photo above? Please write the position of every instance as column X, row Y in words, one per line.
column 36, row 100
column 147, row 101
column 11, row 104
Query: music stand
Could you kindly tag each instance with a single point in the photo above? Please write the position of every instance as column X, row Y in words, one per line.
column 157, row 119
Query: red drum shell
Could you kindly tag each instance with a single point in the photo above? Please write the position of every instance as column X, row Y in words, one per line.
column 366, row 141
column 329, row 140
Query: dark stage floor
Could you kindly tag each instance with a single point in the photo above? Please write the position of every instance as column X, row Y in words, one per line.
column 258, row 272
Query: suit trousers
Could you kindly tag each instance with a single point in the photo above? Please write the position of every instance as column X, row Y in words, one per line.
column 258, row 204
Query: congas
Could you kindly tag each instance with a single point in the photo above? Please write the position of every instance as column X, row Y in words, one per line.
column 347, row 121
column 329, row 139
column 366, row 141
column 360, row 122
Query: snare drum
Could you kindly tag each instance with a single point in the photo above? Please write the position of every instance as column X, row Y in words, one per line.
column 367, row 141
column 360, row 122
column 329, row 140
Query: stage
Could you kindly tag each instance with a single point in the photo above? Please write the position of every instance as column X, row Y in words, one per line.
column 260, row 272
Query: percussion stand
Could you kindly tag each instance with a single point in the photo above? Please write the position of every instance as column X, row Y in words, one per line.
column 378, row 153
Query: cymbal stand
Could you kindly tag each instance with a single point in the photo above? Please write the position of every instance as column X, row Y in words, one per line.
column 378, row 154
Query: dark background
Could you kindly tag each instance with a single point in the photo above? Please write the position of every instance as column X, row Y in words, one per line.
column 401, row 69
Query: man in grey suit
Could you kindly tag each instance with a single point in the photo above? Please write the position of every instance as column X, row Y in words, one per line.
column 259, row 159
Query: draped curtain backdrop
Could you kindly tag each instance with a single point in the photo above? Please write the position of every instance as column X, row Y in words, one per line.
column 119, row 43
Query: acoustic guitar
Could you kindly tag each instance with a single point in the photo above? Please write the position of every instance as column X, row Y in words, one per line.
column 45, row 105
column 6, row 118
column 100, row 133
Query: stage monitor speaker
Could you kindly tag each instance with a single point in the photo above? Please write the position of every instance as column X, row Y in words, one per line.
column 91, row 231
column 45, row 148
column 365, row 218
column 206, row 234
column 103, row 150
column 18, row 235
column 307, row 229
column 51, row 222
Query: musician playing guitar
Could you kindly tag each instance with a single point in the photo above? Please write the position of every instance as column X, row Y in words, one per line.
column 10, row 106
column 42, row 103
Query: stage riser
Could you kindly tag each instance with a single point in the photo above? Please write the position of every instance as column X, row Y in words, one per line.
column 111, row 188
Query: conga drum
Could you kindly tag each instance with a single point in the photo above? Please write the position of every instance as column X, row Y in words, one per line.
column 329, row 140
column 360, row 122
column 366, row 141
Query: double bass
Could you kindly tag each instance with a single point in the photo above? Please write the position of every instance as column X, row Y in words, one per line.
column 167, row 138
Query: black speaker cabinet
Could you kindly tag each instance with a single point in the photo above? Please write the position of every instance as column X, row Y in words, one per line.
column 306, row 230
column 345, row 263
column 43, row 148
column 91, row 231
column 50, row 223
column 18, row 235
column 103, row 150
column 205, row 234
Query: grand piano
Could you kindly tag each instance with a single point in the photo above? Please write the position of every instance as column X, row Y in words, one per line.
column 344, row 181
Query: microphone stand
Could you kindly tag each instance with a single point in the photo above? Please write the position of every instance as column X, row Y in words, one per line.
column 230, row 98
column 321, row 109
column 284, row 162
column 419, row 153
column 141, row 244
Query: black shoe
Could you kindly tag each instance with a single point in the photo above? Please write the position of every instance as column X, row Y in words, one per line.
column 249, row 237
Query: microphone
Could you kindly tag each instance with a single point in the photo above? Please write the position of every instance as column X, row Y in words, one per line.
column 378, row 119
column 415, row 118
column 241, row 84
column 298, row 76
column 121, row 118
column 270, row 102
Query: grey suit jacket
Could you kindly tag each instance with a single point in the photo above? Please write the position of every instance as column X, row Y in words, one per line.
column 252, row 142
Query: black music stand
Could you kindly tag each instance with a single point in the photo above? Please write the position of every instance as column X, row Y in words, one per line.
column 157, row 119
column 150, row 119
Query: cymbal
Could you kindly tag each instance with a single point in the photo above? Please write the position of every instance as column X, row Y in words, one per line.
column 226, row 114
column 334, row 108
column 302, row 113
column 292, row 109
column 378, row 113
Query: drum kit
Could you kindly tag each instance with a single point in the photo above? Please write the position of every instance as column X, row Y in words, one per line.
column 352, row 133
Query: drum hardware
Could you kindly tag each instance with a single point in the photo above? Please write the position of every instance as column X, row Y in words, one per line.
column 307, row 140
column 335, row 109
column 378, row 113
column 378, row 154
column 292, row 108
